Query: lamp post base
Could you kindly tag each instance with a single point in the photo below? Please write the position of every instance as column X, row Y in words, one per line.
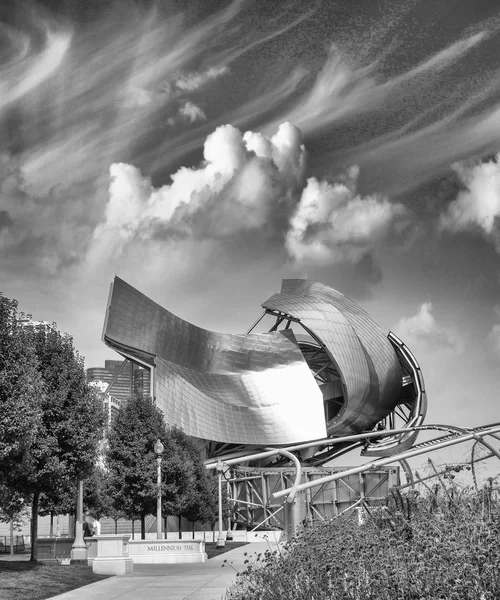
column 220, row 543
column 79, row 554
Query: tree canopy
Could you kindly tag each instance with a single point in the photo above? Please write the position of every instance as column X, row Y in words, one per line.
column 187, row 490
column 51, row 420
column 22, row 392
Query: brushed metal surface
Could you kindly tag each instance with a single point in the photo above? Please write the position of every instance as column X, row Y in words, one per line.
column 257, row 388
column 235, row 388
column 367, row 363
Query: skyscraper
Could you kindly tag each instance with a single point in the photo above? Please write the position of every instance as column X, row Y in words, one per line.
column 132, row 380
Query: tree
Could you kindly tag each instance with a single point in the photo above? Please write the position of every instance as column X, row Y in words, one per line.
column 13, row 510
column 69, row 423
column 130, row 458
column 73, row 419
column 202, row 503
column 21, row 392
column 96, row 495
column 132, row 469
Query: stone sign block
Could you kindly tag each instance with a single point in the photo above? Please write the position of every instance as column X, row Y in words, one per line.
column 167, row 551
column 112, row 555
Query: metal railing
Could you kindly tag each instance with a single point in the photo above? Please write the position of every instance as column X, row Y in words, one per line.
column 19, row 544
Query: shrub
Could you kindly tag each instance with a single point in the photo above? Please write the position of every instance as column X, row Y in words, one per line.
column 439, row 546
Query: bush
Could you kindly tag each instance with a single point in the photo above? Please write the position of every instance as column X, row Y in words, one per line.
column 423, row 548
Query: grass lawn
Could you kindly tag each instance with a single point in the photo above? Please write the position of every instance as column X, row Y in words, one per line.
column 23, row 580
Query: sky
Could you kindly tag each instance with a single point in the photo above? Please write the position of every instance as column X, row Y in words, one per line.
column 203, row 151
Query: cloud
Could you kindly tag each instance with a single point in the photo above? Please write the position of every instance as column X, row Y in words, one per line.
column 136, row 97
column 333, row 224
column 422, row 330
column 192, row 81
column 188, row 112
column 26, row 69
column 494, row 337
column 478, row 206
column 342, row 87
column 404, row 127
column 240, row 116
column 248, row 201
column 246, row 183
column 39, row 234
column 102, row 87
column 192, row 113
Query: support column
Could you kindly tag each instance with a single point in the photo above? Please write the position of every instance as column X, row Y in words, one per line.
column 152, row 384
column 79, row 549
column 229, row 534
column 158, row 500
column 294, row 512
column 220, row 542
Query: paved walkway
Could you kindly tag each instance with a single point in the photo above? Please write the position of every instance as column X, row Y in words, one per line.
column 201, row 581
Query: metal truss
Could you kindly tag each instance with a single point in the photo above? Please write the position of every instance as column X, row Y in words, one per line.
column 458, row 435
column 251, row 492
column 326, row 492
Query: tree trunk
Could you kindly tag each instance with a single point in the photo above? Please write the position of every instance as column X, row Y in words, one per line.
column 143, row 526
column 34, row 527
column 51, row 533
column 180, row 527
column 116, row 526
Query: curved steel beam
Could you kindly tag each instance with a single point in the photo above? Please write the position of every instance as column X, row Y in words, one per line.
column 410, row 481
column 486, row 444
column 244, row 455
column 298, row 474
column 385, row 461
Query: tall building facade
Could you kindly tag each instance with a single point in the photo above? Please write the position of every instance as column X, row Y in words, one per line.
column 132, row 380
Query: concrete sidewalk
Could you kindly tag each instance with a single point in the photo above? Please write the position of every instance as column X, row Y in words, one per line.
column 202, row 581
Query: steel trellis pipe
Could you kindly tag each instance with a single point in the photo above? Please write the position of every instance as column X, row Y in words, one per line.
column 385, row 461
column 486, row 444
column 340, row 440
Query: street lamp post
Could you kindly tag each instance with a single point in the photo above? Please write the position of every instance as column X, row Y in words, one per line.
column 220, row 542
column 158, row 451
column 79, row 548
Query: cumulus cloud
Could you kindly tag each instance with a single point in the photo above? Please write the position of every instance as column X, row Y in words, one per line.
column 333, row 224
column 188, row 112
column 192, row 113
column 477, row 206
column 250, row 191
column 423, row 330
column 246, row 182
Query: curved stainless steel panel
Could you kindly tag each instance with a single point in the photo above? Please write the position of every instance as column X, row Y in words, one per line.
column 258, row 389
column 244, row 389
column 366, row 360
